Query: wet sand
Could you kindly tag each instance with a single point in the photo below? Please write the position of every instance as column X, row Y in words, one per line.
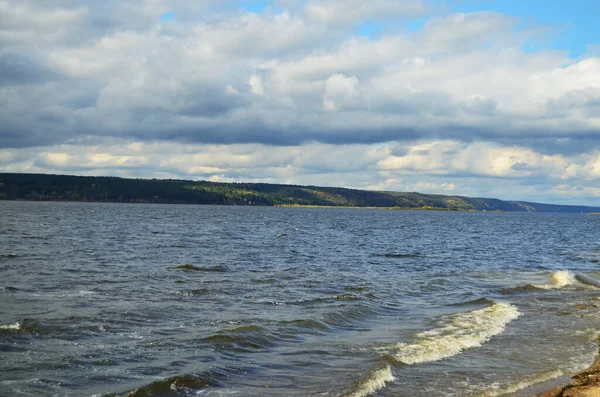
column 584, row 384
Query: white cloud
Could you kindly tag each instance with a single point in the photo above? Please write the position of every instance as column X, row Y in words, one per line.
column 246, row 77
column 339, row 91
column 209, row 94
column 350, row 11
column 256, row 85
column 477, row 159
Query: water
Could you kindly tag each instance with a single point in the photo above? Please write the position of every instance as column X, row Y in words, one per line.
column 223, row 301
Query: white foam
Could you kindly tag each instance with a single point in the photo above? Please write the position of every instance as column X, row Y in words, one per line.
column 560, row 279
column 15, row 326
column 497, row 389
column 456, row 333
column 375, row 382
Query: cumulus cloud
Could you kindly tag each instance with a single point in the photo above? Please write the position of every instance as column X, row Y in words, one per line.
column 339, row 91
column 351, row 11
column 281, row 77
column 293, row 93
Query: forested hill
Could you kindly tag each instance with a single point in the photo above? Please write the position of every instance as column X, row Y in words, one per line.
column 110, row 189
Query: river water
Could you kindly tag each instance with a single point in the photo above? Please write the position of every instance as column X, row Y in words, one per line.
column 166, row 300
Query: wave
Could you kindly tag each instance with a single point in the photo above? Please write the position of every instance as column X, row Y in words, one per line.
column 329, row 299
column 194, row 292
column 413, row 255
column 347, row 297
column 474, row 302
column 496, row 389
column 245, row 338
column 10, row 289
column 376, row 381
column 12, row 327
column 183, row 384
column 559, row 279
column 356, row 288
column 188, row 267
column 347, row 316
column 310, row 325
column 11, row 255
column 456, row 333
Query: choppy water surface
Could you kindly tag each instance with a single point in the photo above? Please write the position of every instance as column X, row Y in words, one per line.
column 222, row 301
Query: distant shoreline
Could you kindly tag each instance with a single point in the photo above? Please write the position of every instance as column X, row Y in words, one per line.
column 141, row 202
column 240, row 205
column 101, row 189
column 384, row 208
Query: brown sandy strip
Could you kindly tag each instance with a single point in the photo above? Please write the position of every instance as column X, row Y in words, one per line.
column 585, row 384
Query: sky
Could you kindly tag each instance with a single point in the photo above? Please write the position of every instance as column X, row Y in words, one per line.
column 485, row 98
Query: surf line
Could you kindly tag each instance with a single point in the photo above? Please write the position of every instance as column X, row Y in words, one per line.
column 456, row 333
column 452, row 335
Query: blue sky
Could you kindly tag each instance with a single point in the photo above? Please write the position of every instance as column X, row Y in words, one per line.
column 487, row 98
column 572, row 26
column 254, row 6
column 574, row 23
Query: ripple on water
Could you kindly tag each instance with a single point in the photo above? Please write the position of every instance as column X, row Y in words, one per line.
column 192, row 268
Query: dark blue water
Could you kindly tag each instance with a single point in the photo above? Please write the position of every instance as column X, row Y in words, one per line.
column 203, row 300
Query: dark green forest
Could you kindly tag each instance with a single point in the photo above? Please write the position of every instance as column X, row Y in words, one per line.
column 42, row 187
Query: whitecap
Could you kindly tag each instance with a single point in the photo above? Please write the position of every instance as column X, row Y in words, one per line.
column 560, row 279
column 14, row 326
column 376, row 381
column 455, row 333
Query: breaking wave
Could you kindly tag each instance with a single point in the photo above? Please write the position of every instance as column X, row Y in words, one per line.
column 376, row 381
column 560, row 279
column 497, row 389
column 456, row 333
column 14, row 327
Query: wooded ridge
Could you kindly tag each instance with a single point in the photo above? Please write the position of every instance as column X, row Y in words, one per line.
column 44, row 187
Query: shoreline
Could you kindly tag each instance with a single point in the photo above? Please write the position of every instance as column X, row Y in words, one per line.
column 585, row 383
column 426, row 208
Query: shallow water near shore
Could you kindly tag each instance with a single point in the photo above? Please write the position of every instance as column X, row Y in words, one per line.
column 169, row 300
